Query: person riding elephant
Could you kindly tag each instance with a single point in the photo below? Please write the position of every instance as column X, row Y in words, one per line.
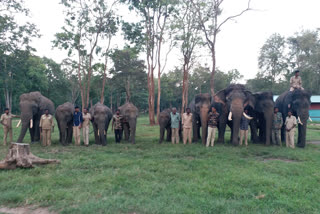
column 64, row 117
column 101, row 117
column 200, row 107
column 297, row 101
column 130, row 114
column 232, row 101
column 32, row 107
column 263, row 116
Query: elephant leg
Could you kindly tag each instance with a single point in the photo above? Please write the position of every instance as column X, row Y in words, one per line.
column 69, row 134
column 254, row 131
column 31, row 130
column 132, row 130
column 169, row 134
column 222, row 130
column 126, row 132
column 162, row 129
column 96, row 137
column 283, row 134
column 196, row 131
column 36, row 130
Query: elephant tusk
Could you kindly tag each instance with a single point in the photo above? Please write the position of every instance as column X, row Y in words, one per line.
column 247, row 116
column 31, row 124
column 310, row 119
column 19, row 123
column 299, row 121
column 104, row 132
column 230, row 116
column 98, row 133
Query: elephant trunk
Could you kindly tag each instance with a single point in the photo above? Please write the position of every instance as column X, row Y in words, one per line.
column 23, row 132
column 102, row 135
column 268, row 116
column 237, row 112
column 204, row 124
column 132, row 125
column 63, row 133
column 302, row 128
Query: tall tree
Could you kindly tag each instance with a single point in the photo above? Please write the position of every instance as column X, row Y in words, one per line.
column 13, row 36
column 272, row 59
column 87, row 24
column 208, row 13
column 188, row 37
column 150, row 32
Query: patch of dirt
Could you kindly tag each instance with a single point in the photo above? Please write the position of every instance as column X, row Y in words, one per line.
column 25, row 210
column 279, row 159
column 314, row 142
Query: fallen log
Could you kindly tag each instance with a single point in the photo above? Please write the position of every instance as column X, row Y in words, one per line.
column 19, row 156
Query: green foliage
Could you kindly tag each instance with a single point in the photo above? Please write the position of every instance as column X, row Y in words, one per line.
column 152, row 178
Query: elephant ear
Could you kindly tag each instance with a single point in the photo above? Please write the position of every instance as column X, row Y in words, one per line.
column 220, row 97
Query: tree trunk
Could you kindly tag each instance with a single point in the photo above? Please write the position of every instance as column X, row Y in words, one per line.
column 213, row 71
column 19, row 155
column 185, row 87
column 158, row 98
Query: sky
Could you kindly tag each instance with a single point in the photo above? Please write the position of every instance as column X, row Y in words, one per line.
column 238, row 43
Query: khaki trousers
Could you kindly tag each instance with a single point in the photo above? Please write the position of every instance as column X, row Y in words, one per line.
column 46, row 137
column 244, row 133
column 211, row 136
column 175, row 135
column 186, row 135
column 85, row 135
column 275, row 136
column 76, row 135
column 6, row 130
column 290, row 138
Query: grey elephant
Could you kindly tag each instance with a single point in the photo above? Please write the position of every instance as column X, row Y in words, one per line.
column 101, row 117
column 233, row 100
column 32, row 106
column 200, row 107
column 64, row 117
column 299, row 102
column 130, row 114
column 261, row 125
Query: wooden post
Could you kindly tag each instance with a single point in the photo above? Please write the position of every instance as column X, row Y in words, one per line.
column 19, row 155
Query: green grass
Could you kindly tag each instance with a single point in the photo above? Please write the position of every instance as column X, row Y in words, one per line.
column 152, row 178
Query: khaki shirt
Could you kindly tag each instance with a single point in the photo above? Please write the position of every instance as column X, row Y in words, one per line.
column 46, row 122
column 296, row 82
column 290, row 121
column 187, row 120
column 86, row 119
column 6, row 119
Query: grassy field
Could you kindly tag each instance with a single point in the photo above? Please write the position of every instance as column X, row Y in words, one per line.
column 152, row 178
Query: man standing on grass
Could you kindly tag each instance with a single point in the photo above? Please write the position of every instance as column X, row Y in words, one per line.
column 6, row 121
column 175, row 126
column 213, row 118
column 46, row 124
column 187, row 125
column 86, row 126
column 244, row 127
column 290, row 124
column 277, row 123
column 77, row 125
column 117, row 126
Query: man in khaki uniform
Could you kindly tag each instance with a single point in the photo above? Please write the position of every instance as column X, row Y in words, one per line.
column 46, row 124
column 187, row 125
column 290, row 124
column 85, row 126
column 6, row 121
column 295, row 81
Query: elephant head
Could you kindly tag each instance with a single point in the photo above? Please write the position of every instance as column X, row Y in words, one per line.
column 64, row 117
column 101, row 116
column 200, row 107
column 130, row 114
column 299, row 102
column 263, row 113
column 32, row 106
column 233, row 100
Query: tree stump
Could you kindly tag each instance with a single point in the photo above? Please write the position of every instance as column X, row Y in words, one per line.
column 20, row 156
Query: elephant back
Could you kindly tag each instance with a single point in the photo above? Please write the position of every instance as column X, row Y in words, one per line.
column 64, row 110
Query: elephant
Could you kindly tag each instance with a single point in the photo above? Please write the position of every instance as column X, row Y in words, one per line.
column 200, row 107
column 129, row 124
column 299, row 103
column 32, row 106
column 101, row 117
column 232, row 100
column 64, row 117
column 263, row 116
column 165, row 125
